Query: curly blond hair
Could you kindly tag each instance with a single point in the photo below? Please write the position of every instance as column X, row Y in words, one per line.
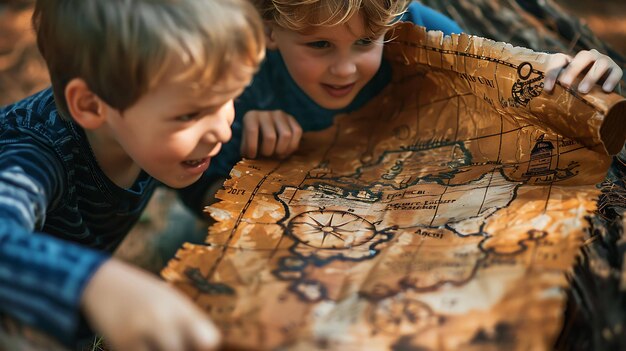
column 302, row 15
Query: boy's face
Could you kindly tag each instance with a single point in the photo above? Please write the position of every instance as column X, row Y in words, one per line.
column 173, row 130
column 330, row 64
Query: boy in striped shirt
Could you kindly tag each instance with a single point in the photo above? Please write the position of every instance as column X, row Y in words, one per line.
column 142, row 94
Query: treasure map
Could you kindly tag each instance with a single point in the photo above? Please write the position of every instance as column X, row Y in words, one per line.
column 445, row 214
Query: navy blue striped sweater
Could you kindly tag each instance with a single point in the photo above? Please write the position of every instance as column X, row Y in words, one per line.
column 60, row 216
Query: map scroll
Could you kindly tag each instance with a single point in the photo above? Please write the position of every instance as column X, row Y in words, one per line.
column 445, row 214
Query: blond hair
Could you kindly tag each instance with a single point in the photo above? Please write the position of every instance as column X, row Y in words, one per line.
column 302, row 15
column 122, row 48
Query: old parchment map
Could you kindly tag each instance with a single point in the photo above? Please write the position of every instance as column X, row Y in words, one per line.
column 443, row 215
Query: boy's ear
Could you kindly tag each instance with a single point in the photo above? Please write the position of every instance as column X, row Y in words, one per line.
column 87, row 109
column 270, row 41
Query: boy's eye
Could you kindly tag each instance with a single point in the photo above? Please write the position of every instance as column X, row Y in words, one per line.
column 364, row 42
column 320, row 44
column 188, row 117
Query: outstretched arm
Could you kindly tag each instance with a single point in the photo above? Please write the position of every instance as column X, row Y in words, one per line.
column 41, row 277
column 46, row 283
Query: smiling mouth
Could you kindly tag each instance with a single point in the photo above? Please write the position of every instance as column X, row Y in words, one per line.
column 338, row 87
column 195, row 163
column 338, row 90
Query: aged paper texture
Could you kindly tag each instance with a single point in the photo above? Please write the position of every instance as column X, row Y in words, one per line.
column 443, row 215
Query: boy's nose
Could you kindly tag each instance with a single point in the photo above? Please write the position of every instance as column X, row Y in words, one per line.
column 220, row 132
column 219, row 129
column 343, row 67
column 229, row 112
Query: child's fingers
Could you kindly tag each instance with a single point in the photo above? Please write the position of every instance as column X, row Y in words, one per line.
column 268, row 135
column 170, row 341
column 249, row 145
column 555, row 66
column 296, row 131
column 203, row 336
column 281, row 122
column 613, row 79
column 595, row 73
column 140, row 345
column 250, row 139
column 580, row 63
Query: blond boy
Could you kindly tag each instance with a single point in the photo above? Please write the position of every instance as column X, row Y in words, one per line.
column 325, row 58
column 142, row 93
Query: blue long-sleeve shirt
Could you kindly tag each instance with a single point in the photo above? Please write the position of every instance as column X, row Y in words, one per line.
column 60, row 216
column 273, row 88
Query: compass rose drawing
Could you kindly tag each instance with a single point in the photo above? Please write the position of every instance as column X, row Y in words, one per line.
column 331, row 229
column 322, row 236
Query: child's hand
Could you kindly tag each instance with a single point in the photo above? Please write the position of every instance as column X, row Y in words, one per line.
column 280, row 134
column 135, row 311
column 594, row 65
